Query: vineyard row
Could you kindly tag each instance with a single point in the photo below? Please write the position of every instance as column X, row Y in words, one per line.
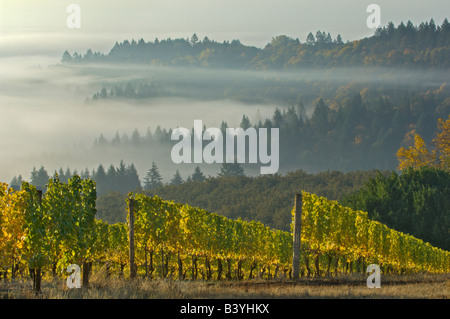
column 47, row 232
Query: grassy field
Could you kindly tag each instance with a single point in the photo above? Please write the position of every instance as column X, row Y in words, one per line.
column 349, row 287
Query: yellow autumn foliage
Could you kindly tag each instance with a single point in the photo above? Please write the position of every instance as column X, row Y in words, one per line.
column 12, row 219
column 419, row 155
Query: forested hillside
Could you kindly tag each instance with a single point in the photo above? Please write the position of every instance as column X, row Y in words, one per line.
column 362, row 132
column 339, row 105
column 406, row 45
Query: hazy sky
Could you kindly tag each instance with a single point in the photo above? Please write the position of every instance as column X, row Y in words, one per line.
column 39, row 26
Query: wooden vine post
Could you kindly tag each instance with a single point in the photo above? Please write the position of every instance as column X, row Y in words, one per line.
column 297, row 237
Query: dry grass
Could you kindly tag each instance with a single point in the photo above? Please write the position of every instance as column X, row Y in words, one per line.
column 410, row 287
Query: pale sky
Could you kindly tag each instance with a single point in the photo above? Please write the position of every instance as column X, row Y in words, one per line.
column 39, row 26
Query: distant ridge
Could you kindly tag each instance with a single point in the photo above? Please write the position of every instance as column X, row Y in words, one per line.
column 424, row 46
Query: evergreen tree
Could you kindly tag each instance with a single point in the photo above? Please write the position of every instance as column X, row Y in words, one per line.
column 111, row 178
column 34, row 175
column 62, row 176
column 100, row 179
column 132, row 178
column 103, row 93
column 66, row 57
column 67, row 174
column 277, row 118
column 158, row 136
column 148, row 137
column 136, row 138
column 116, row 140
column 121, row 171
column 101, row 141
column 198, row 175
column 194, row 39
column 310, row 40
column 319, row 118
column 16, row 181
column 176, row 179
column 320, row 37
column 153, row 178
column 245, row 123
column 231, row 169
column 39, row 177
column 13, row 181
column 85, row 174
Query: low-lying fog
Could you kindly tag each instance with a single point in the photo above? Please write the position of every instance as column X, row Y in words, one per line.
column 45, row 118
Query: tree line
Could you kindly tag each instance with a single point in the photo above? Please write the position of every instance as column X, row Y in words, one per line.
column 425, row 45
column 123, row 178
column 359, row 132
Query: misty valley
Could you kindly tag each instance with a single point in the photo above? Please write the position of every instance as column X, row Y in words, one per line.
column 338, row 106
column 217, row 149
